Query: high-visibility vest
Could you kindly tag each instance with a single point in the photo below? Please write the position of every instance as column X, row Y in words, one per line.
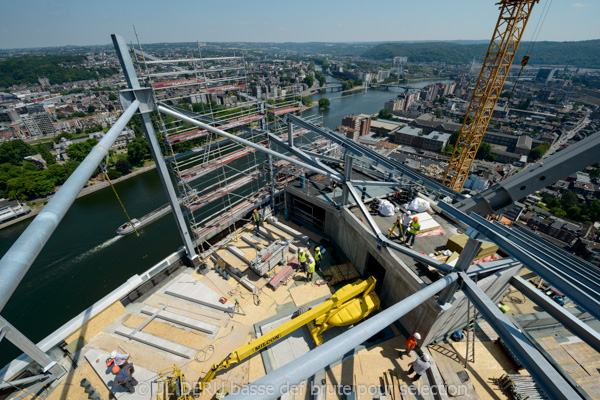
column 256, row 216
column 311, row 268
column 317, row 254
column 414, row 227
column 302, row 257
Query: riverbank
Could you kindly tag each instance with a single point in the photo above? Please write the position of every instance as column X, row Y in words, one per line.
column 94, row 187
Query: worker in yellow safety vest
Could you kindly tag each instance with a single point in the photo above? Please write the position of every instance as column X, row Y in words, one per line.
column 256, row 219
column 413, row 230
column 311, row 269
column 318, row 257
column 302, row 259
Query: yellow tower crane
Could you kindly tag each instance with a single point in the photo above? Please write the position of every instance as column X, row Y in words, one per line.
column 513, row 18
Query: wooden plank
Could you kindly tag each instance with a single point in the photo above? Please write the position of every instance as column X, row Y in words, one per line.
column 447, row 369
column 306, row 293
column 97, row 324
column 341, row 273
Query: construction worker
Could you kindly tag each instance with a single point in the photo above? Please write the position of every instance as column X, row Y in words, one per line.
column 119, row 358
column 256, row 219
column 411, row 342
column 413, row 230
column 318, row 257
column 124, row 377
column 302, row 259
column 419, row 366
column 311, row 269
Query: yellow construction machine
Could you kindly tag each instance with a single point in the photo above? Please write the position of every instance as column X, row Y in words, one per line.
column 171, row 385
column 347, row 306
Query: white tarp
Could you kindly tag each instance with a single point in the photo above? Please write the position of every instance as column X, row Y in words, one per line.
column 386, row 208
column 418, row 205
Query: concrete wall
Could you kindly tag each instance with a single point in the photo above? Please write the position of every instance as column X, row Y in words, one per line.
column 356, row 241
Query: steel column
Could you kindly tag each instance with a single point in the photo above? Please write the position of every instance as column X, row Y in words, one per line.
column 347, row 177
column 465, row 259
column 16, row 261
column 350, row 189
column 555, row 386
column 148, row 128
column 290, row 129
column 559, row 313
column 307, row 365
column 29, row 348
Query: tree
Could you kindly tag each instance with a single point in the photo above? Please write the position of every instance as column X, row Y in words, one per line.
column 60, row 116
column 321, row 78
column 79, row 151
column 385, row 114
column 559, row 212
column 137, row 151
column 538, row 151
column 439, row 113
column 46, row 155
column 123, row 167
column 324, row 103
column 485, row 152
column 112, row 97
column 91, row 109
column 524, row 104
column 306, row 101
column 311, row 66
column 462, row 119
column 14, row 151
column 113, row 174
column 447, row 150
column 309, row 80
column 568, row 199
column 454, row 138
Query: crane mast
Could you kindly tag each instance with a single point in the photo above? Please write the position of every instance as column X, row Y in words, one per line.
column 513, row 18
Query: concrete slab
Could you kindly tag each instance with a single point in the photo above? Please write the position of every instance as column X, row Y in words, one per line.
column 146, row 379
column 181, row 320
column 298, row 235
column 291, row 347
column 157, row 342
column 191, row 289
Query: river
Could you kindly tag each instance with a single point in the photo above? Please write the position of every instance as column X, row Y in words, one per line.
column 85, row 259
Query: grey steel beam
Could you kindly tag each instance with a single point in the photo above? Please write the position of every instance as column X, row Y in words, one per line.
column 347, row 177
column 492, row 266
column 363, row 209
column 279, row 381
column 544, row 374
column 430, row 261
column 575, row 290
column 23, row 381
column 304, row 156
column 29, row 348
column 148, row 128
column 559, row 313
column 375, row 183
column 502, row 196
column 16, row 261
column 467, row 255
column 245, row 142
column 363, row 151
column 552, row 261
column 324, row 157
column 290, row 129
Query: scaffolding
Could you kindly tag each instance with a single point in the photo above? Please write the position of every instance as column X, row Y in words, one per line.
column 219, row 91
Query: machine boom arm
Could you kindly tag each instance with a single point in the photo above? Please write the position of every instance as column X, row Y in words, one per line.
column 337, row 301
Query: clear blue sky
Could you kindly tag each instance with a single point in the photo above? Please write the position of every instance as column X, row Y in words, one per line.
column 40, row 23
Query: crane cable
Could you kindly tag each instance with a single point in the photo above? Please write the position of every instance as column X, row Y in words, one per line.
column 103, row 168
column 534, row 36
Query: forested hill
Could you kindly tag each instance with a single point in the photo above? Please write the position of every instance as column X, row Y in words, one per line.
column 580, row 54
column 57, row 68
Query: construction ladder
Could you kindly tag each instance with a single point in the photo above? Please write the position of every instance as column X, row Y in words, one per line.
column 471, row 325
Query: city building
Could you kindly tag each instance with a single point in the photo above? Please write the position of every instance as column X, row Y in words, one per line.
column 360, row 123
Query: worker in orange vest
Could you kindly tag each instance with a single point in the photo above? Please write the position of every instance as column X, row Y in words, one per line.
column 411, row 342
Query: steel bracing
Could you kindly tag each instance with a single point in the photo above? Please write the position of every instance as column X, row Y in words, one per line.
column 513, row 18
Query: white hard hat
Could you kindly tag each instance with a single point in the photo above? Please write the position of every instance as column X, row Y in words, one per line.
column 301, row 250
column 113, row 354
column 408, row 212
column 426, row 357
column 417, row 336
column 311, row 259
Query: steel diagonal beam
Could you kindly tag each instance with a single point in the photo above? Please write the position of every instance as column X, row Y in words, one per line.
column 282, row 379
column 235, row 138
column 551, row 259
column 324, row 157
column 542, row 371
column 559, row 313
column 432, row 262
column 566, row 284
column 16, row 261
column 364, row 210
column 304, row 157
column 375, row 183
column 362, row 151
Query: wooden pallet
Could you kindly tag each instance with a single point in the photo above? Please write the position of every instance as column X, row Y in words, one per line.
column 341, row 273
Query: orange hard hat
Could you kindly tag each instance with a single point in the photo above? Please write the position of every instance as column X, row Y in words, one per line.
column 415, row 219
column 115, row 369
column 255, row 211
